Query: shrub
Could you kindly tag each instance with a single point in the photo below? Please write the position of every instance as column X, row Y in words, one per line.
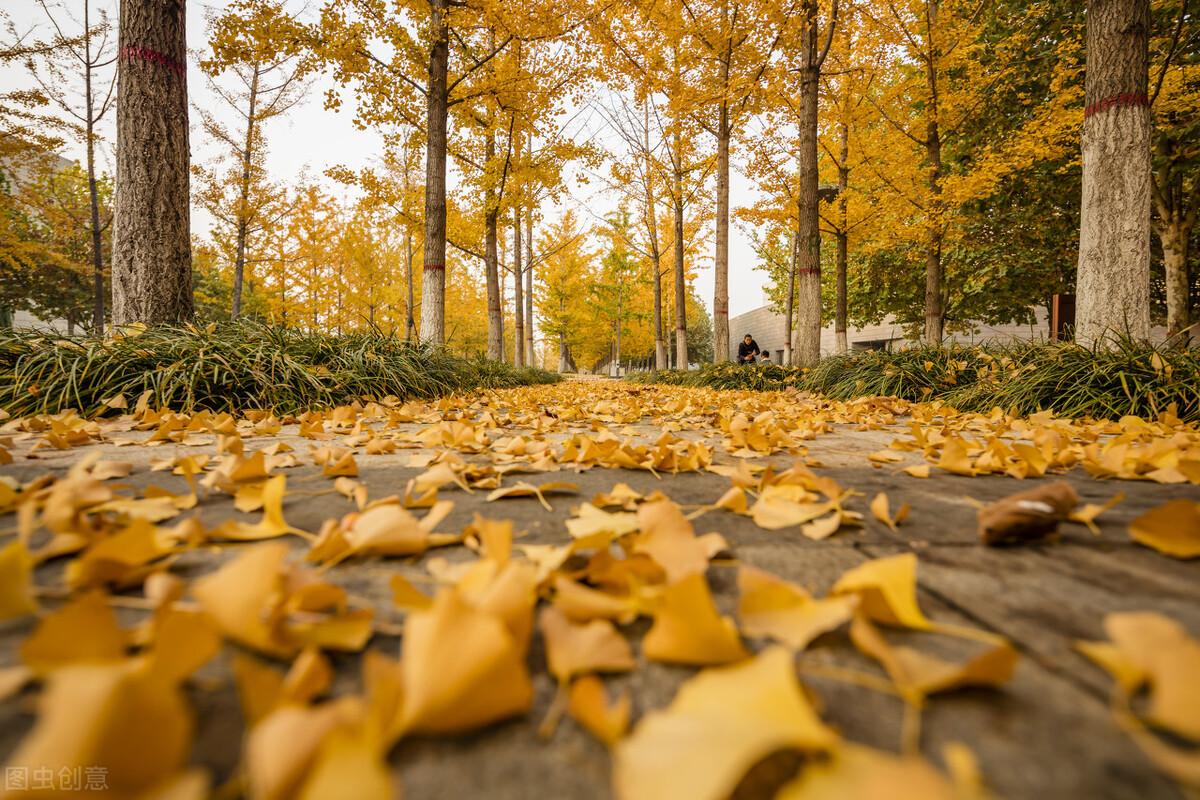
column 232, row 367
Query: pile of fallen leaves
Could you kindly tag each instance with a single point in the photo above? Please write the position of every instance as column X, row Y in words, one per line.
column 115, row 691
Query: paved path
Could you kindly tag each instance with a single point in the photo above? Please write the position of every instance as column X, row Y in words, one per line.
column 1047, row 734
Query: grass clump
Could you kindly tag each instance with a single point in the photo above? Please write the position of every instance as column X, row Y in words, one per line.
column 234, row 367
column 1131, row 378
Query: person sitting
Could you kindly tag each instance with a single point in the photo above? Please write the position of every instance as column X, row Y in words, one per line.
column 748, row 351
column 766, row 357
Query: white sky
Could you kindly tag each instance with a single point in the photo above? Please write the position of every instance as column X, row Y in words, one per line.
column 310, row 139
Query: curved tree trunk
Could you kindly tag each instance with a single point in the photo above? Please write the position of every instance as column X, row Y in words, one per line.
column 152, row 253
column 433, row 285
column 789, row 303
column 1113, row 284
column 681, row 356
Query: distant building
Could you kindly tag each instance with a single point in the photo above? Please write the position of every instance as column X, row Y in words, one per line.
column 769, row 329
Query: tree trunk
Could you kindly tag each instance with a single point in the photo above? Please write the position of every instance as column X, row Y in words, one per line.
column 433, row 286
column 529, row 286
column 721, row 261
column 93, row 194
column 152, row 252
column 681, row 357
column 410, row 326
column 843, row 236
column 935, row 310
column 660, row 345
column 807, row 348
column 1113, row 284
column 495, row 311
column 491, row 261
column 789, row 303
column 243, row 210
column 518, row 292
column 1174, row 235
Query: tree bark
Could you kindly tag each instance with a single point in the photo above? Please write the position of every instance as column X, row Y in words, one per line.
column 721, row 260
column 789, row 303
column 518, row 292
column 93, row 194
column 806, row 351
column 152, row 253
column 660, row 345
column 681, row 357
column 935, row 310
column 1113, row 282
column 529, row 360
column 1174, row 235
column 433, row 286
column 243, row 211
column 843, row 236
column 491, row 261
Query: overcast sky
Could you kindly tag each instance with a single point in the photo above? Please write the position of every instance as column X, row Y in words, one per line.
column 310, row 139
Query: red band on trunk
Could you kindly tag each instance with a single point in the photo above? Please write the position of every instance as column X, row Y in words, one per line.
column 435, row 267
column 154, row 57
column 1117, row 101
column 809, row 271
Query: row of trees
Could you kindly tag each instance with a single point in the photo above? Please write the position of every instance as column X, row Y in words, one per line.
column 935, row 142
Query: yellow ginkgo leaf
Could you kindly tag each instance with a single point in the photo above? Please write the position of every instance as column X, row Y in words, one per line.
column 240, row 597
column 667, row 537
column 272, row 523
column 688, row 629
column 588, row 705
column 84, row 630
column 16, row 596
column 129, row 720
column 858, row 772
column 582, row 603
column 769, row 607
column 343, row 467
column 462, row 668
column 591, row 520
column 523, row 489
column 1172, row 529
column 917, row 470
column 881, row 510
column 917, row 675
column 1087, row 514
column 720, row 724
column 578, row 648
column 887, row 588
column 407, row 596
column 349, row 763
column 1169, row 659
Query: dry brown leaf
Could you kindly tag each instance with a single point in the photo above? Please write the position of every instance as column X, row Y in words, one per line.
column 720, row 724
column 1028, row 515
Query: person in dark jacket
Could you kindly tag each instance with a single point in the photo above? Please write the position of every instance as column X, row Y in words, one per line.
column 748, row 351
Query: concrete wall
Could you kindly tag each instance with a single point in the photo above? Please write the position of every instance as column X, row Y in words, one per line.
column 769, row 330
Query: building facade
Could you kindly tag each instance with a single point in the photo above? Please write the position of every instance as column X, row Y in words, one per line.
column 769, row 329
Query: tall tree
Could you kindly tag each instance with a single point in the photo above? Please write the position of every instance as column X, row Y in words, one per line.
column 152, row 270
column 236, row 190
column 76, row 84
column 1113, row 281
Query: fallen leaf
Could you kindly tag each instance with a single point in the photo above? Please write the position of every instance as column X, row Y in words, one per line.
column 770, row 607
column 84, row 630
column 1172, row 529
column 1027, row 515
column 854, row 771
column 887, row 589
column 688, row 629
column 720, row 724
column 16, row 581
column 462, row 668
column 523, row 489
column 589, row 706
column 881, row 510
column 578, row 648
